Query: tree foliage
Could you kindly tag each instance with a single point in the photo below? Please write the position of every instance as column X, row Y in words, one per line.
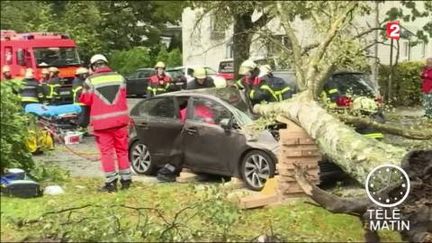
column 97, row 26
column 13, row 127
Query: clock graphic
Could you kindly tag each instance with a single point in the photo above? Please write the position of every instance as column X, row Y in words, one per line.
column 384, row 176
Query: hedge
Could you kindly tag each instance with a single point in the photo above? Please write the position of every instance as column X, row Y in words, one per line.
column 406, row 85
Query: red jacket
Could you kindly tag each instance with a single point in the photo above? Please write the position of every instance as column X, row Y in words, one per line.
column 157, row 80
column 427, row 80
column 106, row 98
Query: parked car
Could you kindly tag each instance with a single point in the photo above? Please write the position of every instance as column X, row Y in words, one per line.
column 137, row 82
column 187, row 72
column 160, row 134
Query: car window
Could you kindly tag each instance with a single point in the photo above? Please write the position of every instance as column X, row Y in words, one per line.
column 208, row 111
column 190, row 71
column 145, row 74
column 133, row 75
column 226, row 67
column 354, row 84
column 158, row 108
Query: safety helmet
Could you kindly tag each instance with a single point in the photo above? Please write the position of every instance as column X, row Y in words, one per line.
column 81, row 70
column 28, row 73
column 98, row 57
column 53, row 70
column 265, row 69
column 160, row 65
column 219, row 82
column 5, row 68
column 364, row 104
column 247, row 66
column 200, row 73
column 44, row 71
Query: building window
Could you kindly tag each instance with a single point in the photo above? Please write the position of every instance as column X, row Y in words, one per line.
column 274, row 49
column 217, row 31
column 229, row 50
column 423, row 49
column 406, row 49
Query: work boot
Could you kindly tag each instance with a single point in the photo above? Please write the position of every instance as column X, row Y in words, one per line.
column 125, row 184
column 109, row 187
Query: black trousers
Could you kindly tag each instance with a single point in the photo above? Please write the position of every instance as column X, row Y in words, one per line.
column 83, row 118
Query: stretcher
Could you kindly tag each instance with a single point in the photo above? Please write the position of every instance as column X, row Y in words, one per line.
column 54, row 123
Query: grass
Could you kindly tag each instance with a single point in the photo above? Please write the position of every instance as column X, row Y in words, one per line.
column 292, row 221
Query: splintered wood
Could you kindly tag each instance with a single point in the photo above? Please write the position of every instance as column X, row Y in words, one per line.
column 296, row 147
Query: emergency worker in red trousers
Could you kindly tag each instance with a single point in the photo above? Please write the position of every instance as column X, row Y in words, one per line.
column 104, row 92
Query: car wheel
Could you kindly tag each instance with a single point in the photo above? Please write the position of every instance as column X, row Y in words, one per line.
column 256, row 168
column 140, row 159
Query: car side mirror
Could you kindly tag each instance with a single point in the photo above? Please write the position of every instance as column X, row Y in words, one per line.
column 225, row 123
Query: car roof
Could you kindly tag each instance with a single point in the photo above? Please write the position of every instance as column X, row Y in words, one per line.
column 194, row 92
column 191, row 66
column 145, row 69
column 347, row 72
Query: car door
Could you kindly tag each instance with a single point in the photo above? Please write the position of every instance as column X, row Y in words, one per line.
column 207, row 146
column 159, row 127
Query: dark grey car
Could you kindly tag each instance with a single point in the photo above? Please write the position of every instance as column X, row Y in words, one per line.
column 170, row 128
column 137, row 82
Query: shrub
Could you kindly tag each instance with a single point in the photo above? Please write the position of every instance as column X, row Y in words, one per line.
column 14, row 125
column 128, row 61
column 406, row 86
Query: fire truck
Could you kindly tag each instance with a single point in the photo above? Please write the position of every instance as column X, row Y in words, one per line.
column 39, row 50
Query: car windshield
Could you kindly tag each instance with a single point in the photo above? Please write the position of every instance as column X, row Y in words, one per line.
column 174, row 73
column 226, row 67
column 56, row 56
column 355, row 84
column 231, row 96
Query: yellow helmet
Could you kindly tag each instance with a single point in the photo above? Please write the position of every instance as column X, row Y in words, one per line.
column 247, row 66
column 364, row 104
column 5, row 68
column 53, row 69
column 28, row 73
column 81, row 70
column 200, row 73
column 44, row 71
column 160, row 65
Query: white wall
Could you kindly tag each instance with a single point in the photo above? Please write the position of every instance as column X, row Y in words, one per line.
column 200, row 49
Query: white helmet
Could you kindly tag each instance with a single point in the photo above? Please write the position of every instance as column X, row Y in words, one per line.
column 98, row 57
column 264, row 70
column 81, row 70
column 247, row 66
column 364, row 104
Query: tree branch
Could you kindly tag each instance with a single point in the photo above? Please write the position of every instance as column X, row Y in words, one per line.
column 424, row 134
column 296, row 48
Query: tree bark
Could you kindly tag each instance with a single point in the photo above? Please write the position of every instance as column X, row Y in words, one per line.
column 242, row 39
column 354, row 153
column 424, row 134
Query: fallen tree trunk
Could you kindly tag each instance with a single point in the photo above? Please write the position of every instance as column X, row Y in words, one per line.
column 417, row 208
column 424, row 134
column 354, row 153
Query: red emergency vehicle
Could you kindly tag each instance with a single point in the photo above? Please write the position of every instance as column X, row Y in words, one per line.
column 37, row 50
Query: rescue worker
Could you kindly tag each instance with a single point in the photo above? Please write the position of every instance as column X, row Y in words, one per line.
column 276, row 87
column 81, row 74
column 53, row 85
column 6, row 73
column 104, row 92
column 160, row 82
column 30, row 91
column 426, row 76
column 43, row 82
column 251, row 84
column 201, row 80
